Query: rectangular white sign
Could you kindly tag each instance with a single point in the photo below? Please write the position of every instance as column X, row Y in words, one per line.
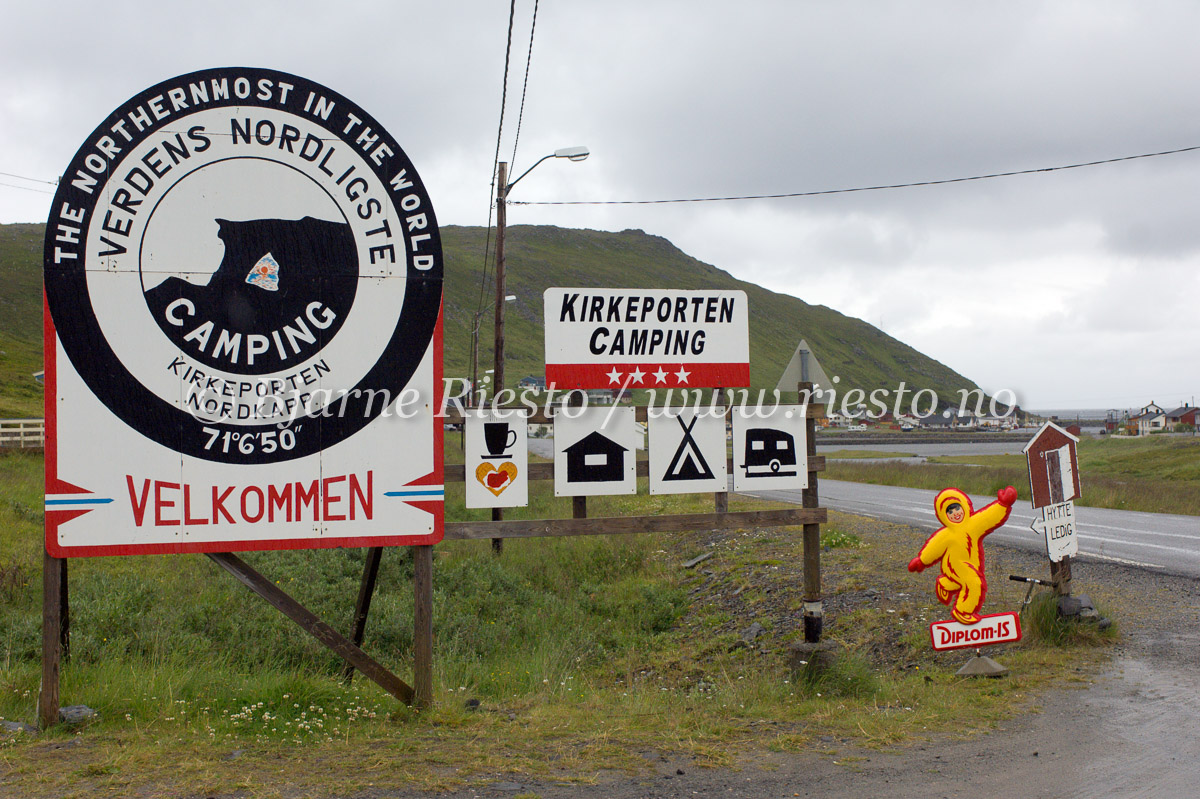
column 998, row 628
column 595, row 451
column 1057, row 526
column 646, row 338
column 687, row 450
column 770, row 450
column 497, row 459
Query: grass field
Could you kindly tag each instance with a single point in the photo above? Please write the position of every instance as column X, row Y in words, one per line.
column 560, row 658
column 858, row 454
column 1156, row 474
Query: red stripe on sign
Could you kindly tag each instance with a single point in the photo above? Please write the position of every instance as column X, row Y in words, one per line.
column 663, row 374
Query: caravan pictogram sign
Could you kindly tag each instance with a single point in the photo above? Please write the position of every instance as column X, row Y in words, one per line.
column 770, row 449
column 243, row 283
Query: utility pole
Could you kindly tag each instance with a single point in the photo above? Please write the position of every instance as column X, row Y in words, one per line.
column 502, row 188
column 498, row 344
column 501, row 220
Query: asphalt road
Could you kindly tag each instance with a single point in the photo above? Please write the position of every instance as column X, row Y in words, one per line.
column 1157, row 541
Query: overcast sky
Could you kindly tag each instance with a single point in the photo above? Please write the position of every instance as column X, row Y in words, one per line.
column 1075, row 289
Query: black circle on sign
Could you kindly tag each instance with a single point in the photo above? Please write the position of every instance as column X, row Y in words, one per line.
column 159, row 109
column 315, row 261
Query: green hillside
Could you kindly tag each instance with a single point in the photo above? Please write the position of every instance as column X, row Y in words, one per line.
column 538, row 258
column 20, row 320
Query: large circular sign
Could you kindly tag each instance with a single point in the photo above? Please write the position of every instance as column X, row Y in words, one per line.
column 243, row 266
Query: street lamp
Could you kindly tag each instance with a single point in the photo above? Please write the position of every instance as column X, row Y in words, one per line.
column 503, row 187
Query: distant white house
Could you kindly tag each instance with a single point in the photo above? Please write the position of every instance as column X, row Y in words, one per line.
column 997, row 422
column 964, row 421
column 1151, row 418
column 841, row 419
column 1151, row 423
column 600, row 396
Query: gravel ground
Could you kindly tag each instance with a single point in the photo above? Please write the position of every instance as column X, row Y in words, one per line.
column 1131, row 730
column 1128, row 728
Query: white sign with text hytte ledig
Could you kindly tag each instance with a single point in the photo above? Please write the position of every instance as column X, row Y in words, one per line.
column 496, row 458
column 1057, row 526
column 770, row 448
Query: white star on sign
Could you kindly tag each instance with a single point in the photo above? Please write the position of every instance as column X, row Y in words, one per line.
column 660, row 376
column 614, row 376
column 682, row 375
column 636, row 375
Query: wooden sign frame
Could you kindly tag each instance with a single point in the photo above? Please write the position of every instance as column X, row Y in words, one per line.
column 810, row 516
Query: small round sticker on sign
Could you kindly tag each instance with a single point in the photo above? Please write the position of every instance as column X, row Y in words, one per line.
column 243, row 266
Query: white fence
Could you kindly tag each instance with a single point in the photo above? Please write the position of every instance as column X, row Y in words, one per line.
column 22, row 433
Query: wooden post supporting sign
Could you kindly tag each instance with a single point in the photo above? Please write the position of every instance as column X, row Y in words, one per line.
column 814, row 613
column 52, row 572
column 423, row 626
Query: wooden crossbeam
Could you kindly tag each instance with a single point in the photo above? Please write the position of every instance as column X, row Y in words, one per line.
column 618, row 525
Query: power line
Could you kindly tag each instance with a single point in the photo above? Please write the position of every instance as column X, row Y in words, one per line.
column 25, row 188
column 483, row 277
column 525, row 85
column 866, row 188
column 31, row 180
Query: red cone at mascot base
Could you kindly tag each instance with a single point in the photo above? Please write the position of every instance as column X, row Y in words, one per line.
column 959, row 546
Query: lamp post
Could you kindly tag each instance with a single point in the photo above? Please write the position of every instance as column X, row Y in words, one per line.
column 503, row 187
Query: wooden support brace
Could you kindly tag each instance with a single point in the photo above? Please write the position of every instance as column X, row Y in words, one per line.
column 65, row 603
column 318, row 629
column 366, row 590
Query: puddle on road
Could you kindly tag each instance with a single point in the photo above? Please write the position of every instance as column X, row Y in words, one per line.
column 1140, row 733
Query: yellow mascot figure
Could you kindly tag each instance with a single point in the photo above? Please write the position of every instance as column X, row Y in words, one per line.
column 959, row 546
